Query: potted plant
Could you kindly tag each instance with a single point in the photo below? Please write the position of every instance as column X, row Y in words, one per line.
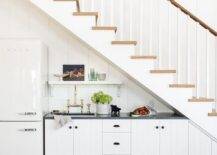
column 102, row 102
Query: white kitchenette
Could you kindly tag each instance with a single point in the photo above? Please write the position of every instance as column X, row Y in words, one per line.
column 29, row 127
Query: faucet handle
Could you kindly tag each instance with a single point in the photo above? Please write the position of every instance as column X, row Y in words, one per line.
column 82, row 105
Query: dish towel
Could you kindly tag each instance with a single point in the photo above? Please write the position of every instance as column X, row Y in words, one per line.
column 61, row 120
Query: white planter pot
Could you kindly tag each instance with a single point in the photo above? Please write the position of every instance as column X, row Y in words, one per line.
column 103, row 109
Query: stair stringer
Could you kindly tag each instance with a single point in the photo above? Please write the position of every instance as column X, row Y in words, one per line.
column 120, row 56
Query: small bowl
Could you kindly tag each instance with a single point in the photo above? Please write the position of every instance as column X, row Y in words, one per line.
column 101, row 77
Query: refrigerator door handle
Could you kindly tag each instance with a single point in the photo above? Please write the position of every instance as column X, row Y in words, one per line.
column 28, row 113
column 28, row 130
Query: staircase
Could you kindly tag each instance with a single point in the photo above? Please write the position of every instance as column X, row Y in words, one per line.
column 168, row 51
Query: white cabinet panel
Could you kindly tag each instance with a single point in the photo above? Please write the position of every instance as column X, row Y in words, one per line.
column 21, row 138
column 58, row 141
column 87, row 137
column 174, row 137
column 145, row 137
column 164, row 137
column 78, row 137
column 116, row 143
column 116, row 125
column 199, row 143
column 214, row 148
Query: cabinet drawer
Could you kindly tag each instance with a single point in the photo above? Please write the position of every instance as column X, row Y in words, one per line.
column 116, row 126
column 116, row 143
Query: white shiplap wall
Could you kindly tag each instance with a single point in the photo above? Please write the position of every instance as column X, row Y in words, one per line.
column 19, row 18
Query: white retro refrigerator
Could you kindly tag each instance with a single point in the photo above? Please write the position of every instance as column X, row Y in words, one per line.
column 23, row 76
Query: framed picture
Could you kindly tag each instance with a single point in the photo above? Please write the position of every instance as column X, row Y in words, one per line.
column 73, row 72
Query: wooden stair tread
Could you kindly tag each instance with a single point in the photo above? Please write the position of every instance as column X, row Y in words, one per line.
column 194, row 99
column 143, row 57
column 85, row 14
column 182, row 86
column 213, row 113
column 124, row 42
column 113, row 28
column 162, row 71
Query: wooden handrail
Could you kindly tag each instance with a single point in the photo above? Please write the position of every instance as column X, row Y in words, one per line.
column 195, row 18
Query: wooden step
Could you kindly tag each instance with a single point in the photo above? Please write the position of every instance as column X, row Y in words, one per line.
column 213, row 113
column 163, row 71
column 182, row 86
column 86, row 14
column 106, row 28
column 143, row 57
column 124, row 43
column 201, row 99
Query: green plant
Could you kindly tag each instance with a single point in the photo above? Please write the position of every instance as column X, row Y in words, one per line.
column 101, row 98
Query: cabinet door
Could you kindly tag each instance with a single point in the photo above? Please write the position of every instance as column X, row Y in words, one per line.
column 145, row 137
column 87, row 137
column 199, row 143
column 58, row 141
column 214, row 148
column 21, row 138
column 173, row 137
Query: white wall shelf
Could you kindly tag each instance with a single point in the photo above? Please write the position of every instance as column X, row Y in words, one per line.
column 85, row 83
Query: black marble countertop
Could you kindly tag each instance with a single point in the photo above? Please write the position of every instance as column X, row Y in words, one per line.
column 122, row 116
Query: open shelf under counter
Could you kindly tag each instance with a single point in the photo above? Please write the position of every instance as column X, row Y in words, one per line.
column 85, row 83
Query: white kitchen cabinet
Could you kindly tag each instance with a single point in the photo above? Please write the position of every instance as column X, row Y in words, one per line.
column 78, row 137
column 145, row 137
column 199, row 143
column 87, row 137
column 160, row 137
column 58, row 141
column 21, row 138
column 116, row 143
column 214, row 148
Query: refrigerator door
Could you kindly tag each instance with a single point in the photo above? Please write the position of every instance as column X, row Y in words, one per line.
column 20, row 81
column 21, row 138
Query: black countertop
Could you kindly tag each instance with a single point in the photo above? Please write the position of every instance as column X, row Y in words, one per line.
column 123, row 116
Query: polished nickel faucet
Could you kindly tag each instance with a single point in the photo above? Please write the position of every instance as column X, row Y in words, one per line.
column 75, row 105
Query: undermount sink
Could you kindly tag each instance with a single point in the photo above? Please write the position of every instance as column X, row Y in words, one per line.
column 76, row 114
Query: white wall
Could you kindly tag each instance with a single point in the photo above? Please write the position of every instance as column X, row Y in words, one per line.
column 20, row 18
column 199, row 142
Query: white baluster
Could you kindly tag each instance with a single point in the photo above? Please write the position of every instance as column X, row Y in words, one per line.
column 141, row 28
column 112, row 13
column 102, row 13
column 92, row 5
column 215, row 41
column 121, row 19
column 131, row 19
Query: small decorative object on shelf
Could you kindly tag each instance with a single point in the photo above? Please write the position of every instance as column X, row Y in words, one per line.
column 95, row 76
column 73, row 72
column 92, row 75
column 115, row 111
column 61, row 76
column 102, row 102
column 101, row 76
